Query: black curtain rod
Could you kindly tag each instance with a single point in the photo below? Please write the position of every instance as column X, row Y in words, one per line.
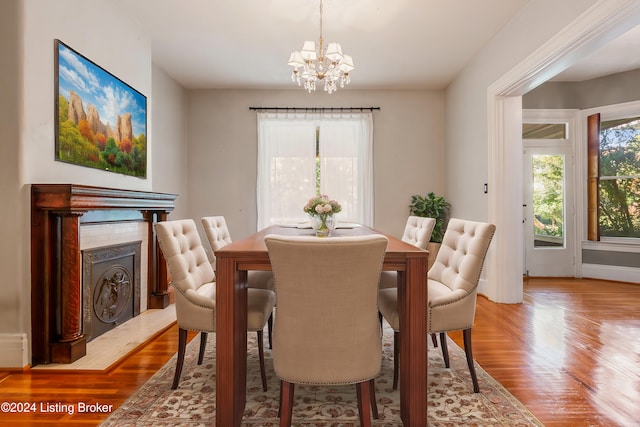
column 314, row 108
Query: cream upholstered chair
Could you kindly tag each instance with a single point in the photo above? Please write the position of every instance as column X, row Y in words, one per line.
column 452, row 288
column 326, row 331
column 218, row 235
column 417, row 232
column 195, row 297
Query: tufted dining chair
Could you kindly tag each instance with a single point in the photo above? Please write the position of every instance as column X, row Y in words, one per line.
column 195, row 297
column 452, row 288
column 326, row 331
column 215, row 227
column 417, row 232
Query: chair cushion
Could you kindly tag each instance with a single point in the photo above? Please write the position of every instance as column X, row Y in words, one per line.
column 261, row 280
column 260, row 304
column 388, row 306
column 440, row 294
column 195, row 309
column 204, row 296
column 388, row 279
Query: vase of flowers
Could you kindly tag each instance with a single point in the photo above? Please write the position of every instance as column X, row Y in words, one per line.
column 322, row 211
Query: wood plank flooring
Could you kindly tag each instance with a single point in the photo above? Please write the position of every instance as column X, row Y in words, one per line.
column 570, row 353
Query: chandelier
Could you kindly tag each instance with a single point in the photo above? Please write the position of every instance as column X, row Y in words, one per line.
column 329, row 65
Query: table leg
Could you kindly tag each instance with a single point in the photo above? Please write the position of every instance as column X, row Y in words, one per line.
column 412, row 299
column 231, row 343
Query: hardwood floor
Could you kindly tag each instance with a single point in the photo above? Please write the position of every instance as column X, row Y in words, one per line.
column 570, row 353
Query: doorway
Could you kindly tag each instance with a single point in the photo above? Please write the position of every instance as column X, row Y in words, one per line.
column 592, row 29
column 548, row 194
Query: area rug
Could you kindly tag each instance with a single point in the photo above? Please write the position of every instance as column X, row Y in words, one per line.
column 451, row 401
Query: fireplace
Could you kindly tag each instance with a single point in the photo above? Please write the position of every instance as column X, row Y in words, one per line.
column 110, row 287
column 58, row 214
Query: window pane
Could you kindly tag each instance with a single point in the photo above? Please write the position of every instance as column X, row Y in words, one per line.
column 548, row 200
column 620, row 207
column 544, row 131
column 620, row 147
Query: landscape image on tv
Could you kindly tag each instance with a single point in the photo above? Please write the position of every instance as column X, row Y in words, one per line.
column 101, row 121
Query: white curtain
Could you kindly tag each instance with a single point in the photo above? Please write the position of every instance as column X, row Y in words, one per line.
column 287, row 164
column 346, row 164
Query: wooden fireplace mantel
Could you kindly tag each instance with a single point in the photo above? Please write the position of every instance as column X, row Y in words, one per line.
column 56, row 284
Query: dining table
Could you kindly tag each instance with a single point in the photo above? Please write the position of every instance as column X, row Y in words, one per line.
column 248, row 254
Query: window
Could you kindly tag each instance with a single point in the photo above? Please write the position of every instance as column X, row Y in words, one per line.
column 620, row 177
column 614, row 176
column 303, row 154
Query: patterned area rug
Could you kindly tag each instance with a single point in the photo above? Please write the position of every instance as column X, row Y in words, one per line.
column 451, row 401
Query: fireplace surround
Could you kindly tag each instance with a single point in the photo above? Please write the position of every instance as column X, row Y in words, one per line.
column 57, row 211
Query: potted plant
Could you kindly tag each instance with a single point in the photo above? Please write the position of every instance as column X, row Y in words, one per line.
column 432, row 206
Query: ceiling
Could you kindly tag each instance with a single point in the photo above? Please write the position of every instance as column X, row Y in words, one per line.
column 395, row 44
column 617, row 56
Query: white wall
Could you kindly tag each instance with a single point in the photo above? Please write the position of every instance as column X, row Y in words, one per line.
column 222, row 147
column 169, row 139
column 100, row 32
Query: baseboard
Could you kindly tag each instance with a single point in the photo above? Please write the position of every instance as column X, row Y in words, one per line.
column 15, row 351
column 611, row 272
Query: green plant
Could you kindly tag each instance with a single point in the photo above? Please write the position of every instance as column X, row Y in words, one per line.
column 432, row 206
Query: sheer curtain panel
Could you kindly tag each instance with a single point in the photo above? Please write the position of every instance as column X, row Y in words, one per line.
column 346, row 164
column 286, row 166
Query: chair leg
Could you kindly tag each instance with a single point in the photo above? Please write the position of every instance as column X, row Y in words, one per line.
column 466, row 334
column 203, row 346
column 270, row 329
column 445, row 349
column 286, row 403
column 396, row 358
column 364, row 401
column 374, row 403
column 261, row 356
column 434, row 340
column 182, row 344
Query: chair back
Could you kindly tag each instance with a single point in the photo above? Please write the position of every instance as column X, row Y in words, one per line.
column 326, row 330
column 418, row 231
column 459, row 262
column 217, row 231
column 191, row 273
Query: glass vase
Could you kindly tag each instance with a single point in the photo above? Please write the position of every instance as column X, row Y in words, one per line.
column 323, row 225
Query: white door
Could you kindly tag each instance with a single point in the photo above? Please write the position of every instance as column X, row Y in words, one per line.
column 548, row 206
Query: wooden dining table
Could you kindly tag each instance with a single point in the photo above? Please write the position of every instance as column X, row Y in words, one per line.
column 237, row 258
